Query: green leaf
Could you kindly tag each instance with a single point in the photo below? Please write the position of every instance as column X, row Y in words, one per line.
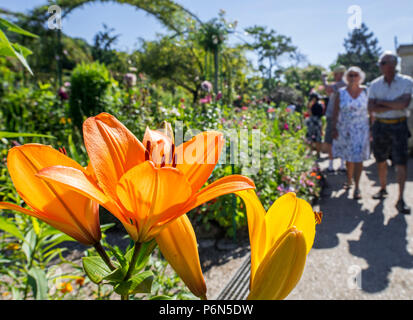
column 140, row 283
column 161, row 298
column 10, row 228
column 6, row 49
column 29, row 245
column 4, row 134
column 116, row 275
column 143, row 255
column 118, row 255
column 9, row 26
column 38, row 281
column 16, row 293
column 22, row 50
column 95, row 268
column 36, row 225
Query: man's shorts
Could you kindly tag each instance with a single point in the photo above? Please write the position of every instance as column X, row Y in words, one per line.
column 328, row 136
column 390, row 139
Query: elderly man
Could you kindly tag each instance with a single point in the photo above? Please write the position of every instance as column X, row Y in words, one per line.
column 389, row 97
column 332, row 90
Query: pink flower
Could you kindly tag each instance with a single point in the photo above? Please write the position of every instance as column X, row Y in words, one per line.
column 183, row 106
column 271, row 110
column 219, row 96
column 207, row 99
column 62, row 93
column 287, row 109
column 244, row 108
column 286, row 127
column 310, row 183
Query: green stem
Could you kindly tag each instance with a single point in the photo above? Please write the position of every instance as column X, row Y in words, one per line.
column 136, row 250
column 103, row 255
column 132, row 264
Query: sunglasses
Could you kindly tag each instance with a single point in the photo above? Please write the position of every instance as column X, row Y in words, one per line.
column 353, row 75
column 383, row 63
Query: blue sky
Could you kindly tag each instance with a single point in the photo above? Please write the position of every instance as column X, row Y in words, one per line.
column 317, row 27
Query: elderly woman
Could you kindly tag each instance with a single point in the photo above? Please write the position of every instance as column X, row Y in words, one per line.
column 351, row 126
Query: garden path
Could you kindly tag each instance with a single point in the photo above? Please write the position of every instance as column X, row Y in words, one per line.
column 363, row 249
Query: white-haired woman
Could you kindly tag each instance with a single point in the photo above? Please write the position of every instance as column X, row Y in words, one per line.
column 351, row 127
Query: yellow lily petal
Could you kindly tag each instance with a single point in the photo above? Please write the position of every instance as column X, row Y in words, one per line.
column 288, row 211
column 178, row 245
column 256, row 228
column 281, row 268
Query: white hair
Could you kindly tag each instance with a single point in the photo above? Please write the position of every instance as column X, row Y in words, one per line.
column 356, row 70
column 390, row 54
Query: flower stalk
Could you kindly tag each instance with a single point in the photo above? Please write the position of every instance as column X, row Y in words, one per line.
column 132, row 264
column 98, row 247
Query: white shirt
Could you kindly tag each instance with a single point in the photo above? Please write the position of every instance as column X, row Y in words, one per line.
column 381, row 90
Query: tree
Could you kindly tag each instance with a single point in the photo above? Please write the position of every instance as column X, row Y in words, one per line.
column 172, row 61
column 102, row 49
column 362, row 50
column 269, row 47
column 304, row 79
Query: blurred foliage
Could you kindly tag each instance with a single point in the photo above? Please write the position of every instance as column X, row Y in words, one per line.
column 88, row 89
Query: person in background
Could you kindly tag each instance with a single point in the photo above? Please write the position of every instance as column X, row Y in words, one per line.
column 332, row 90
column 389, row 97
column 314, row 123
column 350, row 127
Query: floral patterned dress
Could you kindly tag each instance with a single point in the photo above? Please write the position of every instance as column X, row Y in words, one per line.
column 353, row 141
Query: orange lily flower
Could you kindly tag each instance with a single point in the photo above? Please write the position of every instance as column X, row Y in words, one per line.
column 146, row 192
column 57, row 205
column 280, row 241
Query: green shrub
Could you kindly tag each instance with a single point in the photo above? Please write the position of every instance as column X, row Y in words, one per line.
column 89, row 87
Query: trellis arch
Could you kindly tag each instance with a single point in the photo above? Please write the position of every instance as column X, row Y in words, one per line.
column 169, row 13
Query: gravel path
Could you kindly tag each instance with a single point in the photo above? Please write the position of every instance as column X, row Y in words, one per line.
column 363, row 249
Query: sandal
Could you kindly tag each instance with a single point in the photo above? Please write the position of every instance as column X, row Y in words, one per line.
column 346, row 186
column 356, row 195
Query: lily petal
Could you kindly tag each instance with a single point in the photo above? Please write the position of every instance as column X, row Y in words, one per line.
column 288, row 211
column 66, row 227
column 222, row 186
column 112, row 150
column 198, row 157
column 256, row 228
column 178, row 245
column 159, row 146
column 80, row 182
column 152, row 195
column 55, row 202
column 281, row 268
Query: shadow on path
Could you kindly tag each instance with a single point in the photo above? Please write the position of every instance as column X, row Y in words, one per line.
column 341, row 214
column 383, row 247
